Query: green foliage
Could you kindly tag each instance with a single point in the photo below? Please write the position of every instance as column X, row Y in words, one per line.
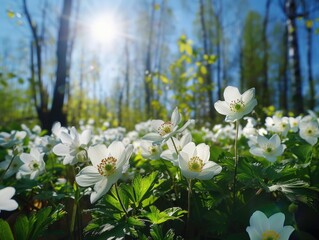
column 32, row 227
column 5, row 231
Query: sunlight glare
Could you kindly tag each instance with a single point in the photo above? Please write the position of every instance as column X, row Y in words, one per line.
column 104, row 30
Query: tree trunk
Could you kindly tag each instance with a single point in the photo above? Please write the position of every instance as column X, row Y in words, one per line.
column 207, row 77
column 265, row 92
column 148, row 84
column 57, row 113
column 312, row 101
column 283, row 75
column 297, row 97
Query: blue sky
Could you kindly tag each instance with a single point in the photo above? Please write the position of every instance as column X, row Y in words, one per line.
column 12, row 32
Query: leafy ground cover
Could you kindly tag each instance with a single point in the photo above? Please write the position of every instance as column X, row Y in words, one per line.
column 246, row 178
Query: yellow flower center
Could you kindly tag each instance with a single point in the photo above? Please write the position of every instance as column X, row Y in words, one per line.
column 165, row 128
column 236, row 105
column 195, row 164
column 107, row 166
column 34, row 165
column 152, row 149
column 270, row 235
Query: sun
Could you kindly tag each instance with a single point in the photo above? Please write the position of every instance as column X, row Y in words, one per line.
column 104, row 29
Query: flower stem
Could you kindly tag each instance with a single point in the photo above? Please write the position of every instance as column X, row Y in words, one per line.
column 189, row 198
column 236, row 166
column 174, row 146
column 119, row 198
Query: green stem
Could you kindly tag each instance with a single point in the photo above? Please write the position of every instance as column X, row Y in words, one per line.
column 119, row 198
column 189, row 199
column 236, row 166
column 174, row 145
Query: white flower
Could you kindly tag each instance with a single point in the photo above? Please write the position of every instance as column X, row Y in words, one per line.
column 6, row 203
column 150, row 151
column 170, row 154
column 8, row 140
column 165, row 130
column 73, row 146
column 33, row 164
column 236, row 105
column 194, row 162
column 294, row 123
column 272, row 228
column 309, row 131
column 268, row 148
column 108, row 165
column 278, row 125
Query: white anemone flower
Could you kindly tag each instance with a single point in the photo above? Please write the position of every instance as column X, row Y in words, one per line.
column 194, row 162
column 6, row 203
column 108, row 165
column 73, row 147
column 165, row 130
column 272, row 228
column 278, row 125
column 170, row 153
column 236, row 105
column 309, row 131
column 268, row 148
column 150, row 151
column 33, row 164
column 7, row 140
column 294, row 123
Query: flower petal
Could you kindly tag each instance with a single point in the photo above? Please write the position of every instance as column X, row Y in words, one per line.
column 231, row 93
column 156, row 124
column 286, row 232
column 202, row 151
column 61, row 149
column 259, row 221
column 248, row 95
column 253, row 234
column 116, row 149
column 97, row 153
column 222, row 107
column 276, row 222
column 189, row 149
column 100, row 189
column 176, row 117
column 26, row 157
column 88, row 176
column 85, row 137
column 154, row 137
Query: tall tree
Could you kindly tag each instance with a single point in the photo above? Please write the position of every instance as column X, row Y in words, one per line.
column 265, row 92
column 208, row 75
column 291, row 14
column 48, row 116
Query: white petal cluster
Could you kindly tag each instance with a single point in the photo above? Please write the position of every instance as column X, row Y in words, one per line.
column 268, row 148
column 164, row 130
column 33, row 164
column 194, row 162
column 108, row 165
column 236, row 105
column 263, row 228
column 73, row 146
column 309, row 130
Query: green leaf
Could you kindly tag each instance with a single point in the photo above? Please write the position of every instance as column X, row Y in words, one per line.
column 5, row 231
column 158, row 217
column 135, row 221
column 21, row 228
column 156, row 232
column 203, row 70
column 143, row 186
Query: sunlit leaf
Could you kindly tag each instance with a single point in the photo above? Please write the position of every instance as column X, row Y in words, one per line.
column 309, row 23
column 203, row 70
column 5, row 231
